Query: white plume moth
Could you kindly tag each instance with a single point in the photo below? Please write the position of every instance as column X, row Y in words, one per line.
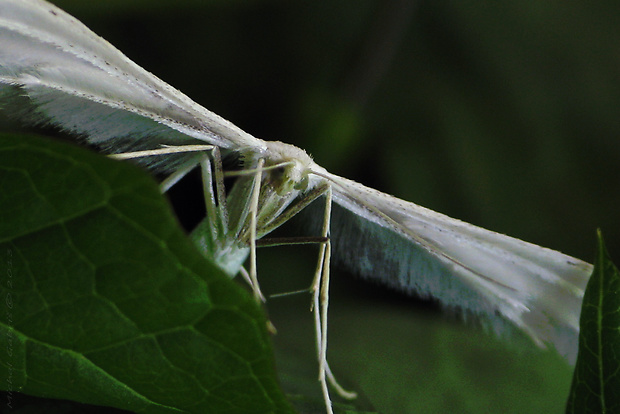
column 69, row 77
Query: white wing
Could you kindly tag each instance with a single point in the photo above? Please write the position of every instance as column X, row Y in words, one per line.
column 463, row 266
column 58, row 71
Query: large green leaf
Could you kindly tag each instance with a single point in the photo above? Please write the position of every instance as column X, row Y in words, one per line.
column 596, row 383
column 107, row 302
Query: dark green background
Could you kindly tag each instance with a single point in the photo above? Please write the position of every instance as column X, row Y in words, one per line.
column 501, row 114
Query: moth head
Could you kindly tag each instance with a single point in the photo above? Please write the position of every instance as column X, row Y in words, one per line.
column 289, row 167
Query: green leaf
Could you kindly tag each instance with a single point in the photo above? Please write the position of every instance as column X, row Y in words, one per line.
column 106, row 301
column 596, row 382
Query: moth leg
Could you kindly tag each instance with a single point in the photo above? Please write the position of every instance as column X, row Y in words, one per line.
column 348, row 395
column 320, row 292
column 176, row 176
column 246, row 276
column 320, row 284
column 214, row 195
column 320, row 301
column 258, row 295
column 289, row 241
column 290, row 212
column 220, row 191
column 167, row 150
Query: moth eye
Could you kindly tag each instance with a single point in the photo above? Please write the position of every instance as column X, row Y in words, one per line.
column 278, row 173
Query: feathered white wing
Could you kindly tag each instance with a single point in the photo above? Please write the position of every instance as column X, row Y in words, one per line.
column 58, row 71
column 463, row 266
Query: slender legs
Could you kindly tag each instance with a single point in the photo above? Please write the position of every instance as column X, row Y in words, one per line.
column 258, row 295
column 217, row 217
column 320, row 303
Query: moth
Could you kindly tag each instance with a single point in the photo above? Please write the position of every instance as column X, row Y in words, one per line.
column 56, row 71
